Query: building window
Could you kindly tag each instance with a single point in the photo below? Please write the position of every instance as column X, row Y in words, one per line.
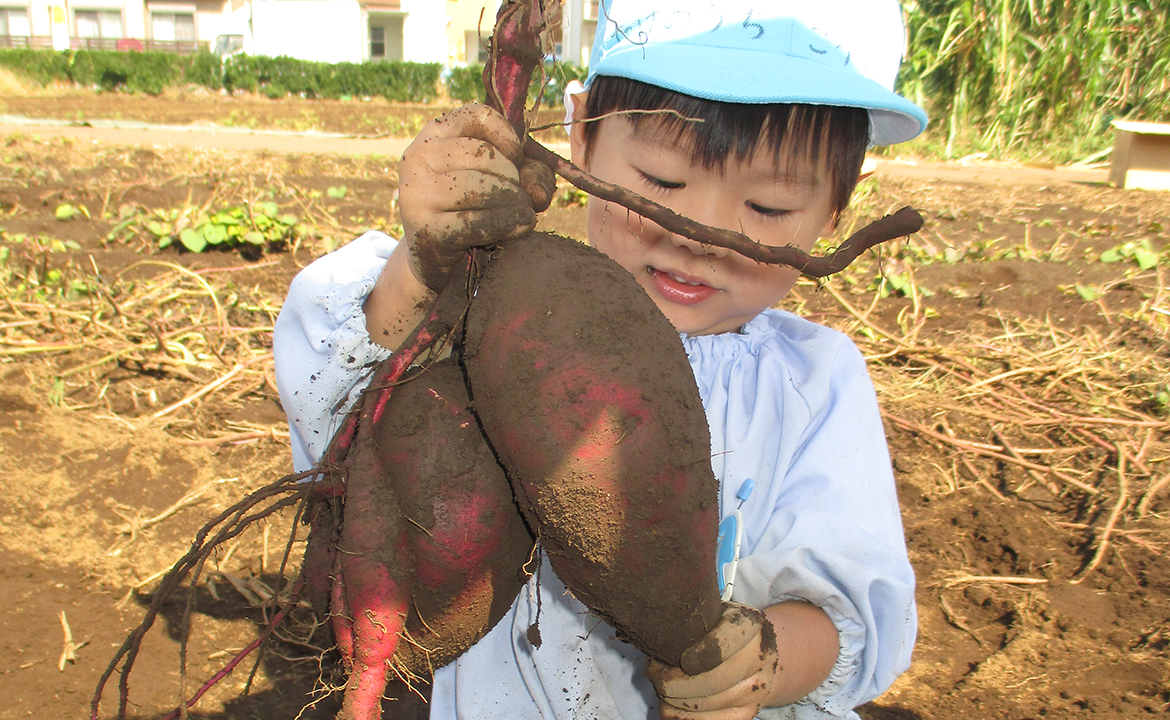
column 99, row 24
column 475, row 46
column 227, row 45
column 385, row 33
column 377, row 41
column 14, row 22
column 171, row 27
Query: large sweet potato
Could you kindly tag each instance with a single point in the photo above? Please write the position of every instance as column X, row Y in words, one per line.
column 586, row 394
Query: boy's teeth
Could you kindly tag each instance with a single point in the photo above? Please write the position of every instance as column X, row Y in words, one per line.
column 651, row 269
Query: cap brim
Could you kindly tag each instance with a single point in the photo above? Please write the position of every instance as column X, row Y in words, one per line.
column 893, row 119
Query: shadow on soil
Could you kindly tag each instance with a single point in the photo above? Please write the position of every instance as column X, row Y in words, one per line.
column 291, row 671
column 873, row 711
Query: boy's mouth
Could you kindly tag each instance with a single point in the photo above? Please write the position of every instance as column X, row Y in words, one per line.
column 679, row 289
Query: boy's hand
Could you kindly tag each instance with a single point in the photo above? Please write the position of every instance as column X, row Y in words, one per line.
column 463, row 183
column 737, row 687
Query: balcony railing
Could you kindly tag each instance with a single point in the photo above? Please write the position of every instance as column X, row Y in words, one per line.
column 36, row 42
column 182, row 47
column 44, row 42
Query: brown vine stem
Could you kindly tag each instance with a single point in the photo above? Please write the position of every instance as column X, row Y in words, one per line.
column 225, row 526
column 903, row 222
column 976, row 450
column 1103, row 538
column 1144, row 506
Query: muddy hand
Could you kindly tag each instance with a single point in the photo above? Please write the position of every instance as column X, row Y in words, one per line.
column 742, row 651
column 464, row 183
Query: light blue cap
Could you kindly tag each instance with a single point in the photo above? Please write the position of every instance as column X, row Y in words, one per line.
column 816, row 52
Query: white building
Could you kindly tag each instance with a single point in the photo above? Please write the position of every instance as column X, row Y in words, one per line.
column 443, row 31
column 107, row 24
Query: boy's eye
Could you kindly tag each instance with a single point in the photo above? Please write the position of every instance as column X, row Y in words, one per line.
column 660, row 183
column 767, row 211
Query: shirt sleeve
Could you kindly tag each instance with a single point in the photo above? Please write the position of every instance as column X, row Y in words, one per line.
column 791, row 406
column 835, row 539
column 323, row 355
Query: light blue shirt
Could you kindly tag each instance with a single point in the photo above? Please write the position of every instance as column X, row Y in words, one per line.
column 790, row 405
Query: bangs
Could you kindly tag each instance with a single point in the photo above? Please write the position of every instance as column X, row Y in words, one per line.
column 831, row 137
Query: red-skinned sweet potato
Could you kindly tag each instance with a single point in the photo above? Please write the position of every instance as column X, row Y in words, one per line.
column 586, row 395
column 432, row 547
column 468, row 541
column 583, row 390
column 371, row 592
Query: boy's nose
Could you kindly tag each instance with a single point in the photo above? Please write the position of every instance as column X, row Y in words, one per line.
column 698, row 248
column 649, row 231
column 709, row 214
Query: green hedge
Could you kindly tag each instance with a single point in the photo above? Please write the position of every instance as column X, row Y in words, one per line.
column 40, row 66
column 280, row 76
column 152, row 72
column 148, row 72
column 206, row 70
column 465, row 84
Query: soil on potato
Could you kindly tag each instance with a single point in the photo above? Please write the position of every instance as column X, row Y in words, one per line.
column 99, row 495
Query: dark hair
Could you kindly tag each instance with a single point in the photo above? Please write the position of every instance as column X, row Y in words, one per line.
column 838, row 135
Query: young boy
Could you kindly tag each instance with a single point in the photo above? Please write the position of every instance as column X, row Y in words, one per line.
column 770, row 111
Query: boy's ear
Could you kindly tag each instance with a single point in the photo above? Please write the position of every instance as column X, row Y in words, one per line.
column 577, row 131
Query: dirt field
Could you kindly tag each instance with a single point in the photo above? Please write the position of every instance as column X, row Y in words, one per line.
column 1023, row 376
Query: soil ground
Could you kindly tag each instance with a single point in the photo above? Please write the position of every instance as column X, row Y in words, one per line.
column 133, row 408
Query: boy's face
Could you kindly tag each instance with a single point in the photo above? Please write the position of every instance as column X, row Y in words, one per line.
column 701, row 289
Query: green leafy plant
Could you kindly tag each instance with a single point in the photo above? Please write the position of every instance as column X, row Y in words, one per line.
column 572, row 197
column 903, row 284
column 252, row 229
column 1159, row 401
column 26, row 266
column 65, row 211
column 1088, row 293
column 1140, row 253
